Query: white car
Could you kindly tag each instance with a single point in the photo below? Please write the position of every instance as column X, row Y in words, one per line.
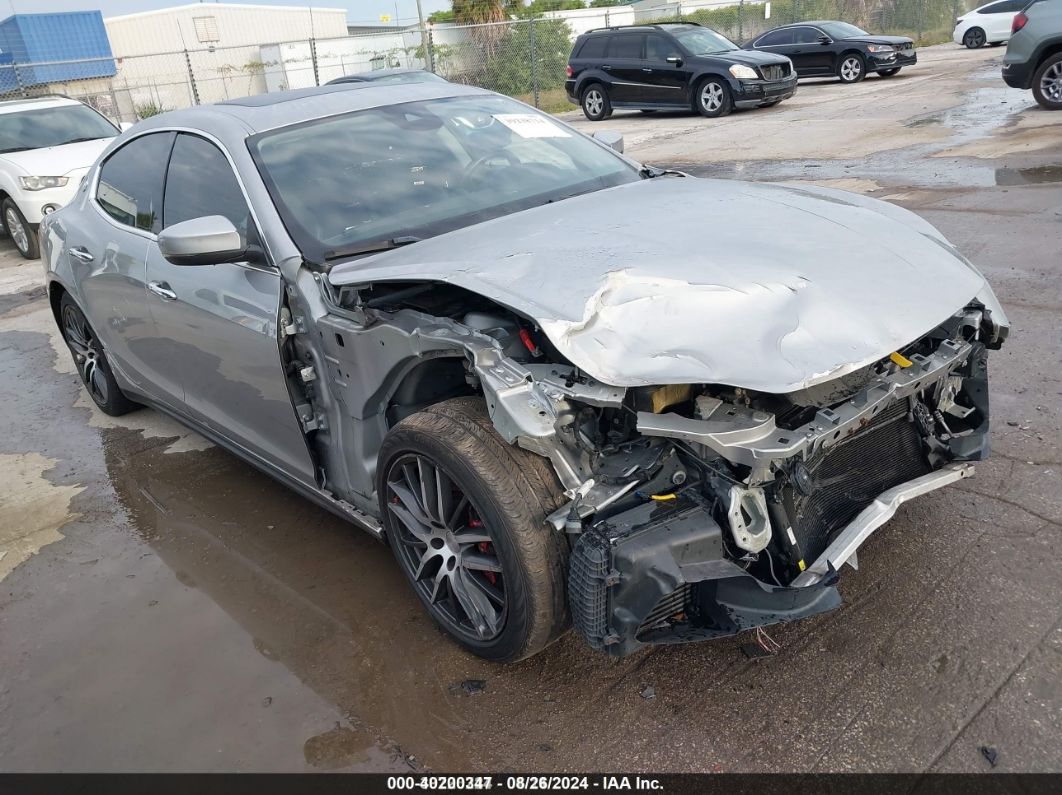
column 989, row 24
column 47, row 145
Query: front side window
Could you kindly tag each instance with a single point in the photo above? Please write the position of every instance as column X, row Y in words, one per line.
column 659, row 48
column 806, row 35
column 54, row 126
column 704, row 41
column 200, row 182
column 423, row 168
column 130, row 184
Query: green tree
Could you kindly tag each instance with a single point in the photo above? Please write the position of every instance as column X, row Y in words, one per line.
column 511, row 69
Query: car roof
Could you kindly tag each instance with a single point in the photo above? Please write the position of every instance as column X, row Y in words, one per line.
column 51, row 101
column 236, row 119
column 808, row 23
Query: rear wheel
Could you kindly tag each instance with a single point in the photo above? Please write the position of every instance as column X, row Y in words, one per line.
column 91, row 361
column 851, row 69
column 464, row 513
column 712, row 98
column 1047, row 83
column 595, row 102
column 974, row 39
column 21, row 233
column 889, row 72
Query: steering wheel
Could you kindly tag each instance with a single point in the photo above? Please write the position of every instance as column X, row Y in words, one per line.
column 479, row 162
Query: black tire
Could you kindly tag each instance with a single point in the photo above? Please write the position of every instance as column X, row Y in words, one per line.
column 974, row 39
column 22, row 234
column 1047, row 83
column 506, row 493
column 595, row 102
column 91, row 361
column 712, row 98
column 889, row 72
column 851, row 68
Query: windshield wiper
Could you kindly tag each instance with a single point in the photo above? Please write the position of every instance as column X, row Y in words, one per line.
column 648, row 172
column 370, row 247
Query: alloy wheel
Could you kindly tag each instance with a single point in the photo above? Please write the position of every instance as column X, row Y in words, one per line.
column 851, row 68
column 16, row 230
column 1051, row 82
column 445, row 547
column 594, row 102
column 711, row 97
column 975, row 39
column 88, row 355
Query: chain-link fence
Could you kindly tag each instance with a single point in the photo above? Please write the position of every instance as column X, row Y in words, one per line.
column 524, row 58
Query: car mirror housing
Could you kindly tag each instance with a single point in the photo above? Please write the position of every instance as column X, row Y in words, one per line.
column 208, row 240
column 611, row 139
column 825, row 40
column 675, row 60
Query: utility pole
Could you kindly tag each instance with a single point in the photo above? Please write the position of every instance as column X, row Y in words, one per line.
column 425, row 39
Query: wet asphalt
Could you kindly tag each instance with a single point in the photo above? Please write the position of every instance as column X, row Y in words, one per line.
column 164, row 606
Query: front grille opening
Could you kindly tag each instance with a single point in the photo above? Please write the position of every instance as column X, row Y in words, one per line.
column 670, row 609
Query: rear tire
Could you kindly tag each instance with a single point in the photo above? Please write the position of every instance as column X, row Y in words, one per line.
column 477, row 551
column 712, row 98
column 852, row 68
column 18, row 229
column 974, row 39
column 91, row 361
column 595, row 102
column 1047, row 83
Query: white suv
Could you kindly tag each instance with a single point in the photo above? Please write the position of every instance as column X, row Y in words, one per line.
column 47, row 145
column 989, row 24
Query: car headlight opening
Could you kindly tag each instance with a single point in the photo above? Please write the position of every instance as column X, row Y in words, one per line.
column 884, row 49
column 40, row 183
column 742, row 72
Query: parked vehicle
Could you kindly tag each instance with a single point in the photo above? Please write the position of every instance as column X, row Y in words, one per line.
column 46, row 146
column 989, row 24
column 507, row 349
column 390, row 76
column 831, row 48
column 671, row 66
column 1034, row 53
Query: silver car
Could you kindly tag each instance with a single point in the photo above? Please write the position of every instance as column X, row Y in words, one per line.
column 564, row 387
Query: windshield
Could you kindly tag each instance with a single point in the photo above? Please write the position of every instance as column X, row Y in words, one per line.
column 841, row 30
column 54, row 126
column 423, row 168
column 703, row 41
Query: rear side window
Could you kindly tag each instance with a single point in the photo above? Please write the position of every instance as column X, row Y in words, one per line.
column 625, row 45
column 594, row 47
column 776, row 37
column 130, row 186
column 200, row 182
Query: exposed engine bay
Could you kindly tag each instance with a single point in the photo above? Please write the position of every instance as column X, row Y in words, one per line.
column 698, row 510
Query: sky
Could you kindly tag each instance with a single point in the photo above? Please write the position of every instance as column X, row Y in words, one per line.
column 364, row 12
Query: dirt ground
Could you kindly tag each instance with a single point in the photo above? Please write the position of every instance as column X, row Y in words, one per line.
column 165, row 607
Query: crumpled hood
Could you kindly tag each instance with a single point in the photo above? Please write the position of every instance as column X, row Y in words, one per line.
column 58, row 161
column 685, row 280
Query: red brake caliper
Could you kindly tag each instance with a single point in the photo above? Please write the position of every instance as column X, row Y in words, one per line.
column 483, row 546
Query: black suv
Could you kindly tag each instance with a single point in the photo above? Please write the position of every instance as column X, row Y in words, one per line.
column 672, row 66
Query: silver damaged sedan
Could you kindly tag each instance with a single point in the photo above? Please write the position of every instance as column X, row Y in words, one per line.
column 565, row 388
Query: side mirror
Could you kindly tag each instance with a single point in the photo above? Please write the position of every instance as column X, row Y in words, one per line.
column 611, row 139
column 674, row 60
column 825, row 40
column 202, row 241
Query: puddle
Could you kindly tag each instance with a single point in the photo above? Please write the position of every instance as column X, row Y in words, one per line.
column 1038, row 175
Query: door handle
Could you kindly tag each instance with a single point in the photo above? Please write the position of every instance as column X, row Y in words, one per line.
column 607, row 68
column 162, row 290
column 81, row 253
column 647, row 70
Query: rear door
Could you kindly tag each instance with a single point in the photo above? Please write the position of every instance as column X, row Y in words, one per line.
column 107, row 247
column 219, row 323
column 624, row 64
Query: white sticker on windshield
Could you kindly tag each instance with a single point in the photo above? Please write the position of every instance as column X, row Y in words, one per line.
column 530, row 125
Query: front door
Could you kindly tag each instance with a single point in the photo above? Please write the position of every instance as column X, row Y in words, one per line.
column 220, row 322
column 668, row 83
column 809, row 53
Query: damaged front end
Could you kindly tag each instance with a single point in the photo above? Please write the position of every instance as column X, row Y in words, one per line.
column 711, row 510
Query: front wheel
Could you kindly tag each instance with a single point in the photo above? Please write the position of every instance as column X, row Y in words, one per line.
column 1047, row 83
column 889, row 72
column 851, row 69
column 974, row 39
column 464, row 513
column 713, row 98
column 595, row 102
column 21, row 233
